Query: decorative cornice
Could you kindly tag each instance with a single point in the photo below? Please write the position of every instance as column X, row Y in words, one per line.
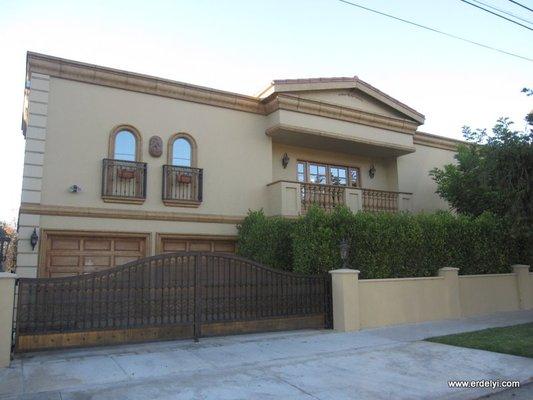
column 440, row 142
column 334, row 111
column 93, row 212
column 97, row 75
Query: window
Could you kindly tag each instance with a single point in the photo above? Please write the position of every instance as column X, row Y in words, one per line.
column 182, row 150
column 327, row 174
column 125, row 144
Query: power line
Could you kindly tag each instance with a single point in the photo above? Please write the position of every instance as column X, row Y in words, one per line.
column 521, row 5
column 436, row 30
column 498, row 15
column 503, row 11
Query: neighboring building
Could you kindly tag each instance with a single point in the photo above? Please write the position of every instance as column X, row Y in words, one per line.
column 120, row 166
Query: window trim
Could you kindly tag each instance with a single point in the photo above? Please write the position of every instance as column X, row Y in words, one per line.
column 112, row 139
column 192, row 142
column 328, row 177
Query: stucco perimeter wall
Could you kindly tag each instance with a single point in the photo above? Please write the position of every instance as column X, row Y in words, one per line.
column 485, row 294
column 398, row 301
column 413, row 176
column 360, row 304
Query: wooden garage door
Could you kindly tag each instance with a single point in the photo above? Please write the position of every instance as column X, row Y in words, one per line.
column 173, row 244
column 67, row 255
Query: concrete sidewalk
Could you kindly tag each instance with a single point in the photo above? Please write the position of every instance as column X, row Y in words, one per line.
column 372, row 364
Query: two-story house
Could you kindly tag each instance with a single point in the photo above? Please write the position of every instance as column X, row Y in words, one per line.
column 120, row 166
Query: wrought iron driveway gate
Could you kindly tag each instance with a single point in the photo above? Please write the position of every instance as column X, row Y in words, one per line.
column 177, row 295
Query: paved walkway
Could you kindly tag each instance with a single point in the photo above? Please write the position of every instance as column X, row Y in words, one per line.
column 379, row 363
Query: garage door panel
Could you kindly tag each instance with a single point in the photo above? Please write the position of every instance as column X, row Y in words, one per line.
column 65, row 244
column 97, row 244
column 78, row 254
column 119, row 260
column 170, row 244
column 60, row 261
column 127, row 245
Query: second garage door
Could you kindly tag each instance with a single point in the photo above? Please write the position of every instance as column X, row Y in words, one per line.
column 73, row 254
column 169, row 244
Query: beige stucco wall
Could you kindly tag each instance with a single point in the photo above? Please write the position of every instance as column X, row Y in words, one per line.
column 413, row 176
column 398, row 301
column 485, row 294
column 384, row 179
column 232, row 148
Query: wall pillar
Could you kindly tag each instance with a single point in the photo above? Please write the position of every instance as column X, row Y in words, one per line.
column 345, row 293
column 354, row 199
column 451, row 279
column 525, row 288
column 7, row 296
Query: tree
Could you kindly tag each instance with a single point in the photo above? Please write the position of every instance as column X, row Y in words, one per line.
column 493, row 173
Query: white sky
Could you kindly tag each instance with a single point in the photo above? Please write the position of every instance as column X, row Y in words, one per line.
column 242, row 45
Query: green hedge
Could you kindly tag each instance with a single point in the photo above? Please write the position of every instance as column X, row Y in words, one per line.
column 381, row 245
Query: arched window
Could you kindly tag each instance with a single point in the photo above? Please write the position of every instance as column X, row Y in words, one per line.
column 182, row 150
column 125, row 144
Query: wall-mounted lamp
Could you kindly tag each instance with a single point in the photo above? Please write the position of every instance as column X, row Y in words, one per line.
column 285, row 160
column 74, row 189
column 34, row 238
column 372, row 171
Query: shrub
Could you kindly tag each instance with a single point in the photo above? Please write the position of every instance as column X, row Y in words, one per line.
column 382, row 245
column 266, row 240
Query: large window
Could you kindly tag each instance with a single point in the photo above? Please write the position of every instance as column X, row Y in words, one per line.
column 328, row 174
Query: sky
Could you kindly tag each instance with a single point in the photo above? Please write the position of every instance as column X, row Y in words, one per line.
column 241, row 46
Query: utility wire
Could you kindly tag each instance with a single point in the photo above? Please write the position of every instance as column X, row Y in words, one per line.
column 503, row 11
column 521, row 5
column 498, row 15
column 437, row 31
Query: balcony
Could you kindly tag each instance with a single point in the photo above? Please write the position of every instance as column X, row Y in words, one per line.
column 289, row 198
column 123, row 181
column 182, row 186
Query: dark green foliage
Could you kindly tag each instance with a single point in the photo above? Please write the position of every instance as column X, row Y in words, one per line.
column 494, row 173
column 382, row 245
column 266, row 240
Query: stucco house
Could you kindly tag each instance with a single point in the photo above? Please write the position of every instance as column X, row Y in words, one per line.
column 119, row 166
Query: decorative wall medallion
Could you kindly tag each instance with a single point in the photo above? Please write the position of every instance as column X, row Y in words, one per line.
column 155, row 146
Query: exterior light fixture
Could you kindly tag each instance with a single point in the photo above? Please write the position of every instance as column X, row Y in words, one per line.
column 4, row 245
column 34, row 238
column 285, row 160
column 372, row 171
column 345, row 250
column 74, row 189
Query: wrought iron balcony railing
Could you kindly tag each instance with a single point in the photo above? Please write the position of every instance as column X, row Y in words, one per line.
column 123, row 181
column 182, row 186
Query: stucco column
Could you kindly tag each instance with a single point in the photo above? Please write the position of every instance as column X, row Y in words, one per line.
column 345, row 293
column 7, row 292
column 451, row 280
column 354, row 199
column 525, row 287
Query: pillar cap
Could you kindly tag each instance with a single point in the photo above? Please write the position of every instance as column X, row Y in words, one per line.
column 448, row 269
column 345, row 271
column 8, row 275
column 520, row 266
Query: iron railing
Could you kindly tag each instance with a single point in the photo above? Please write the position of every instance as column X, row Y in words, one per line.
column 182, row 184
column 380, row 200
column 187, row 288
column 123, row 179
column 324, row 196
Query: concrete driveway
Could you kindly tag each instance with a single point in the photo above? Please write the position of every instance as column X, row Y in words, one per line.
column 372, row 364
